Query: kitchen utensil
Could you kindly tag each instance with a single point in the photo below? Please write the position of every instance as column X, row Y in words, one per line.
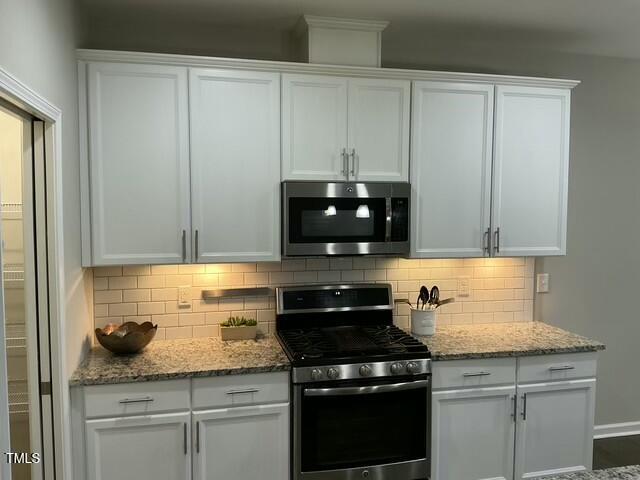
column 423, row 297
column 445, row 301
column 435, row 295
column 130, row 337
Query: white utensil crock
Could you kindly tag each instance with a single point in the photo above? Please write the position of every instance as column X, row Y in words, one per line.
column 423, row 322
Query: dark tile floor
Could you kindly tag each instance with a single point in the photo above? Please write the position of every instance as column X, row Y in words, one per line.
column 616, row 452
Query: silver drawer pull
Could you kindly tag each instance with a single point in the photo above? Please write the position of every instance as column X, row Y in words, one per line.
column 136, row 400
column 476, row 374
column 240, row 392
column 561, row 368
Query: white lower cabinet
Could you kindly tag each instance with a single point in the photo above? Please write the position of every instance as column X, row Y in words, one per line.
column 473, row 433
column 248, row 443
column 555, row 428
column 150, row 447
column 513, row 427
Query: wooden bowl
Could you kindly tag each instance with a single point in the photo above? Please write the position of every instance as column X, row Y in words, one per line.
column 130, row 337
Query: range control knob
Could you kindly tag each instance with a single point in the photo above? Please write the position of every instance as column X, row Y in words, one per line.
column 396, row 368
column 413, row 367
column 316, row 374
column 365, row 371
column 333, row 373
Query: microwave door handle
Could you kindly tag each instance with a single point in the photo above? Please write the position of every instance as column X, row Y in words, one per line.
column 387, row 226
column 394, row 387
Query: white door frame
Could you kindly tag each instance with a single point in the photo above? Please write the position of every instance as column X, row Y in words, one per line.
column 5, row 444
column 19, row 94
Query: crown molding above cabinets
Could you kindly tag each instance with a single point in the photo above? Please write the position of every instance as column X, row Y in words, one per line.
column 182, row 156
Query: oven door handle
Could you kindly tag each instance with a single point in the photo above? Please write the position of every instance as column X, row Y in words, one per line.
column 394, row 387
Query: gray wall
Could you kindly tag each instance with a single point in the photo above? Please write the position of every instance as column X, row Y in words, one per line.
column 37, row 46
column 592, row 287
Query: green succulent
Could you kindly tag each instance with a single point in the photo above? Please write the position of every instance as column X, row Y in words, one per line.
column 239, row 322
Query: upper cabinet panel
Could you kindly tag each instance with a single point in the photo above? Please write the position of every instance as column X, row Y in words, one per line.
column 379, row 130
column 531, row 169
column 452, row 134
column 235, row 165
column 139, row 163
column 314, row 127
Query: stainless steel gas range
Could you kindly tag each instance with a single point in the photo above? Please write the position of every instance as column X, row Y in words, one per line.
column 361, row 386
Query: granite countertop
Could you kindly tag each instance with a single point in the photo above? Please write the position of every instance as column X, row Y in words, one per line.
column 620, row 473
column 455, row 342
column 193, row 357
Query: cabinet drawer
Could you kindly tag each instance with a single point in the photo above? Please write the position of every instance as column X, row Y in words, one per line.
column 233, row 390
column 474, row 373
column 546, row 368
column 136, row 398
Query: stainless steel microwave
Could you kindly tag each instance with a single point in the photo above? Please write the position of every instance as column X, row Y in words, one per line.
column 345, row 218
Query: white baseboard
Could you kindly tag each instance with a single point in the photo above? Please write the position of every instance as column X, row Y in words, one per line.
column 616, row 430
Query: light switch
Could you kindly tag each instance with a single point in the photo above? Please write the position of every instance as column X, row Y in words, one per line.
column 464, row 290
column 542, row 283
column 184, row 296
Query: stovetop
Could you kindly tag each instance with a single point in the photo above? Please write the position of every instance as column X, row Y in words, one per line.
column 350, row 344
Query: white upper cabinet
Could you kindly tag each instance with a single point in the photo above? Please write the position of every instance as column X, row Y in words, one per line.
column 452, row 134
column 138, row 148
column 378, row 130
column 531, row 167
column 314, row 127
column 235, row 165
column 337, row 128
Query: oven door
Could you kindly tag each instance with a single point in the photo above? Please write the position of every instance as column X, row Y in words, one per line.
column 344, row 219
column 378, row 431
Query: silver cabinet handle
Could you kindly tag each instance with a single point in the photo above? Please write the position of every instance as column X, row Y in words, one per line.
column 561, row 368
column 345, row 167
column 240, row 392
column 184, row 246
column 353, row 163
column 136, row 400
column 185, row 438
column 485, row 241
column 197, row 437
column 496, row 247
column 524, row 406
column 196, row 245
column 514, row 401
column 476, row 374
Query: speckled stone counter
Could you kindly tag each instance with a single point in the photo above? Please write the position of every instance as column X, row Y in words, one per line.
column 194, row 357
column 455, row 342
column 621, row 473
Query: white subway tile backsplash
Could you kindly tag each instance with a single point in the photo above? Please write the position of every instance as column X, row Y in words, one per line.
column 501, row 290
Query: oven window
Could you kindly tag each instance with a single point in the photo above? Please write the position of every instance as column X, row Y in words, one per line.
column 332, row 220
column 340, row 432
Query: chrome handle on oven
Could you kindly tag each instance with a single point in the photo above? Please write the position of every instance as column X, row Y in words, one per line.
column 387, row 225
column 394, row 387
column 476, row 374
column 136, row 400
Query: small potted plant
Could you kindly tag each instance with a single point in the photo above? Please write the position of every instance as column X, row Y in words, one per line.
column 239, row 328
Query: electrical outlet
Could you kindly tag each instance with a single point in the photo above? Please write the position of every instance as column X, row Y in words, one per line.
column 184, row 296
column 542, row 283
column 464, row 290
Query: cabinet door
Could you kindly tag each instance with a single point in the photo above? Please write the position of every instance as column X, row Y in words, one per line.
column 314, row 127
column 378, row 130
column 153, row 447
column 555, row 428
column 531, row 171
column 248, row 443
column 139, row 163
column 473, row 433
column 452, row 132
column 235, row 165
